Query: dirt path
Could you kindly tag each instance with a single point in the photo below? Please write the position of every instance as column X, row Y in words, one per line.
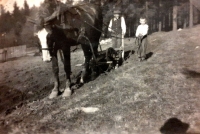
column 160, row 94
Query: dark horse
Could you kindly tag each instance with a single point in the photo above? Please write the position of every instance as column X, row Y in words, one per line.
column 69, row 25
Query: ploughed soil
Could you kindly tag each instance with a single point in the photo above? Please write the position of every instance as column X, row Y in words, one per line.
column 159, row 95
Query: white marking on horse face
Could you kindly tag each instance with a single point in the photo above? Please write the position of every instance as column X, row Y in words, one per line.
column 42, row 34
column 63, row 1
column 76, row 2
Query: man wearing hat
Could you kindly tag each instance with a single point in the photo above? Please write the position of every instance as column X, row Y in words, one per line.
column 117, row 27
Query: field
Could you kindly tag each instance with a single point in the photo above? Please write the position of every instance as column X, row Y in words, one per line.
column 159, row 95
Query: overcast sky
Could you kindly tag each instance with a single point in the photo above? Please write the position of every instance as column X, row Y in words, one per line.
column 8, row 4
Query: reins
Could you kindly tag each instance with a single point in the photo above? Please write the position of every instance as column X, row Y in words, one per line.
column 101, row 30
column 48, row 49
column 94, row 26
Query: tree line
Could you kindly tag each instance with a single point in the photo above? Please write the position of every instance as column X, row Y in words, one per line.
column 12, row 24
column 162, row 15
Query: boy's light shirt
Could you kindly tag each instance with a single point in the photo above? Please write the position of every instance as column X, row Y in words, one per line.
column 142, row 30
column 123, row 25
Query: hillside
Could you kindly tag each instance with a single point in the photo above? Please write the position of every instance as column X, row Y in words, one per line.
column 159, row 94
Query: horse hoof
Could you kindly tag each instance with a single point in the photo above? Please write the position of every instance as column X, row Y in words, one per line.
column 61, row 90
column 81, row 80
column 67, row 93
column 53, row 94
column 117, row 66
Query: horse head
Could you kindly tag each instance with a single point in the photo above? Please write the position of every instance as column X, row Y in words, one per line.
column 41, row 30
column 42, row 34
column 46, row 18
column 76, row 16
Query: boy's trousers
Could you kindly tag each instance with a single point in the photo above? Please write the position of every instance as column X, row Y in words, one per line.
column 141, row 43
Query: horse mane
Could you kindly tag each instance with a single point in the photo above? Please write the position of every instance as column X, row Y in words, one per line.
column 82, row 16
column 46, row 13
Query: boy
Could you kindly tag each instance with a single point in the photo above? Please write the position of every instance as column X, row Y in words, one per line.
column 141, row 38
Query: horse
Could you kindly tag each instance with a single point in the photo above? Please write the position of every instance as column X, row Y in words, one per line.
column 68, row 26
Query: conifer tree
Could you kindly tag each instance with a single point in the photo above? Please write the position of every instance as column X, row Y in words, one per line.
column 26, row 8
column 191, row 14
column 5, row 21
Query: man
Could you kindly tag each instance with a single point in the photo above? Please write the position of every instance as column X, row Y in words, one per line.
column 117, row 27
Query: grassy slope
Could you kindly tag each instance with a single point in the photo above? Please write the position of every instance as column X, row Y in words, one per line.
column 139, row 97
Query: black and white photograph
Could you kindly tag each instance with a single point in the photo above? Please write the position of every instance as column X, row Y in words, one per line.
column 99, row 67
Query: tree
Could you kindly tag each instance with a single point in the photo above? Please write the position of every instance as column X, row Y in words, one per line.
column 2, row 10
column 191, row 15
column 18, row 22
column 175, row 12
column 26, row 8
column 183, row 15
column 16, row 13
column 5, row 21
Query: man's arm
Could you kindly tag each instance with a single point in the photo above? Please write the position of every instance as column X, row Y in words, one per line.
column 123, row 25
column 109, row 26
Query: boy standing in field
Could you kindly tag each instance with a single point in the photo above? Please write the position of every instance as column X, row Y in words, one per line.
column 141, row 38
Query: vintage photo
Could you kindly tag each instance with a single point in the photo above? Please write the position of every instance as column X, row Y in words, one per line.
column 99, row 67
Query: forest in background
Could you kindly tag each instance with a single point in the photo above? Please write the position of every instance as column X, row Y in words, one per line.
column 162, row 15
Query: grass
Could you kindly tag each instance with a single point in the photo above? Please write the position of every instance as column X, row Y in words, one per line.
column 137, row 98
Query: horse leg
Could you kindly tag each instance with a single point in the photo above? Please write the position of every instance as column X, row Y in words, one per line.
column 95, row 70
column 88, row 56
column 88, row 53
column 86, row 69
column 55, row 70
column 67, row 68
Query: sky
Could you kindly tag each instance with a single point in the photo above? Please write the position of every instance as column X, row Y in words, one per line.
column 8, row 4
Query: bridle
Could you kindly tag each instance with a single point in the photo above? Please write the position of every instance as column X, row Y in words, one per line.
column 45, row 49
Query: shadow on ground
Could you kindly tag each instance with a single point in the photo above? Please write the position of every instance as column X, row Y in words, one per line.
column 191, row 73
column 175, row 126
column 149, row 55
